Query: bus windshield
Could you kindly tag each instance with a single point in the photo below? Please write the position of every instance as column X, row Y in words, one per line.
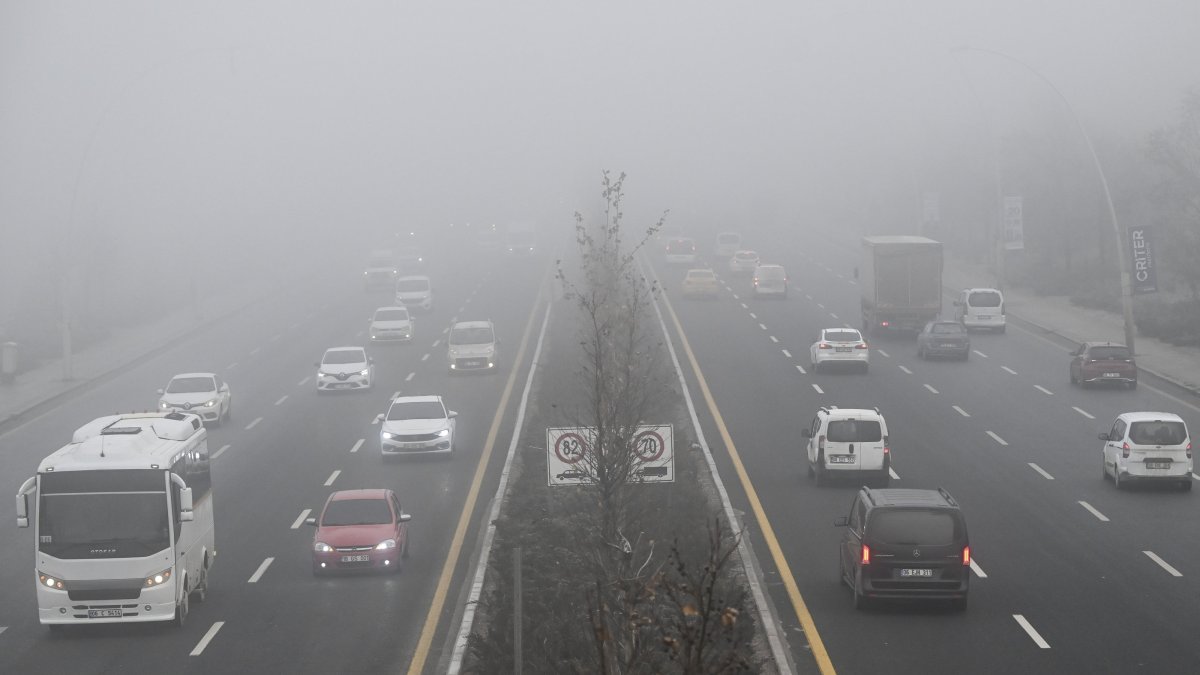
column 103, row 514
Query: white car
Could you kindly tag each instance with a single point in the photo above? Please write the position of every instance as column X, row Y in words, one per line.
column 345, row 368
column 415, row 292
column 727, row 244
column 203, row 394
column 839, row 345
column 680, row 251
column 743, row 261
column 417, row 425
column 848, row 442
column 471, row 346
column 1151, row 447
column 391, row 323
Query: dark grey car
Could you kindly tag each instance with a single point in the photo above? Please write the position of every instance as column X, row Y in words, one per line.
column 944, row 338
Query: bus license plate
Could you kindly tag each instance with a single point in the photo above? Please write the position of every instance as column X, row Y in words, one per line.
column 841, row 459
column 104, row 614
column 916, row 573
column 356, row 558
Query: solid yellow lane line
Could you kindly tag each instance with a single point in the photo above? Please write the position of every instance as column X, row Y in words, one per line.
column 785, row 572
column 421, row 655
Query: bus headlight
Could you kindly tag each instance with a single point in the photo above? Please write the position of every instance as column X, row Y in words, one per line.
column 158, row 579
column 51, row 582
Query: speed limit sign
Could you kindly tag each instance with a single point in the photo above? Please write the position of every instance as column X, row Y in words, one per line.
column 649, row 445
column 569, row 447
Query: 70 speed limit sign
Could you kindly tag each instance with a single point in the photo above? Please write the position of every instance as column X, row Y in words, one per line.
column 567, row 448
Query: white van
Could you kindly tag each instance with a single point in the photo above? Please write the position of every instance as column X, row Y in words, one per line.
column 1148, row 447
column 415, row 292
column 848, row 442
column 980, row 308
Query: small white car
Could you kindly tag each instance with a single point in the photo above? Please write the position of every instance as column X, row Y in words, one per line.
column 471, row 346
column 345, row 368
column 700, row 283
column 839, row 346
column 391, row 323
column 743, row 262
column 1151, row 447
column 202, row 394
column 415, row 292
column 770, row 280
column 981, row 308
column 680, row 251
column 417, row 425
column 848, row 442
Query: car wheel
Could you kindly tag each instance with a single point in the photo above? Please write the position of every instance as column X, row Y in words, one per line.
column 959, row 604
column 1103, row 471
column 181, row 608
column 860, row 601
column 1001, row 329
column 1132, row 385
column 811, row 472
column 1117, row 483
column 1074, row 381
column 921, row 353
column 404, row 553
column 1186, row 485
column 821, row 474
column 200, row 592
column 966, row 355
column 866, row 367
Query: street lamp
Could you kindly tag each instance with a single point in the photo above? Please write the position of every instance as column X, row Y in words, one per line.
column 1126, row 293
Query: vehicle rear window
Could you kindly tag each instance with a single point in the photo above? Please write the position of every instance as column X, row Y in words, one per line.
column 842, row 336
column 770, row 273
column 1105, row 353
column 926, row 527
column 948, row 328
column 681, row 244
column 984, row 299
column 357, row 512
column 1158, row 433
column 854, row 431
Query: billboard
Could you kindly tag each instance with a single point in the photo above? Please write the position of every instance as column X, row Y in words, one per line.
column 1141, row 253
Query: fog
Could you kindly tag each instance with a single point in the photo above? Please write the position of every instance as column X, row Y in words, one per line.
column 141, row 142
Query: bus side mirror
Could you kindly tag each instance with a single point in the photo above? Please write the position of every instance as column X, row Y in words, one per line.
column 22, row 511
column 185, row 504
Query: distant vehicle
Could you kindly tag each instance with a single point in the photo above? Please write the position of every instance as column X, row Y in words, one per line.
column 417, row 425
column 202, row 394
column 700, row 283
column 727, row 244
column 471, row 345
column 848, row 442
column 1103, row 363
column 839, row 346
column 391, row 323
column 345, row 368
column 681, row 251
column 1148, row 447
column 360, row 530
column 521, row 240
column 382, row 270
column 415, row 292
column 410, row 259
column 901, row 282
column 905, row 544
column 944, row 338
column 770, row 280
column 981, row 308
column 124, row 521
column 743, row 261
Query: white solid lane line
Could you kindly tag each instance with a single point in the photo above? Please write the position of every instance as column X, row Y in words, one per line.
column 906, row 370
column 212, row 632
column 281, row 400
column 931, row 389
column 996, row 438
column 1084, row 413
column 882, row 353
column 893, row 474
column 786, row 353
column 357, row 445
column 805, row 372
column 753, row 316
column 332, row 477
column 1008, row 370
column 303, row 382
column 410, row 377
column 425, row 357
column 1163, row 564
column 1043, row 390
column 981, row 354
column 818, row 388
column 977, row 570
column 220, row 451
column 378, row 419
column 1037, row 638
column 774, row 339
column 253, row 424
column 262, row 569
column 1100, row 516
column 960, row 411
column 1040, row 470
column 300, row 521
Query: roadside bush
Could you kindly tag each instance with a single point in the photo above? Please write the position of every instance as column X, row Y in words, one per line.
column 1177, row 322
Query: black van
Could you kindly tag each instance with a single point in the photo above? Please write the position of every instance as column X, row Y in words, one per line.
column 902, row 543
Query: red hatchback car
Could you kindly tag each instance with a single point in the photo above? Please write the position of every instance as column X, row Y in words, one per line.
column 1103, row 363
column 360, row 530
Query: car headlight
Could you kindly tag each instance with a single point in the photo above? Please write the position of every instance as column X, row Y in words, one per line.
column 322, row 547
column 385, row 544
column 388, row 435
column 364, row 372
column 444, row 432
column 210, row 403
column 158, row 579
column 321, row 373
column 164, row 405
column 51, row 582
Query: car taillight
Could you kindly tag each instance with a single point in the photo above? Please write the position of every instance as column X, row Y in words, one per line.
column 966, row 556
column 885, row 324
column 755, row 281
column 1124, row 449
column 1188, row 449
column 866, row 555
column 824, row 345
column 861, row 345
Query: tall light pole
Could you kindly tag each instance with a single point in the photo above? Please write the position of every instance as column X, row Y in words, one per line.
column 1123, row 263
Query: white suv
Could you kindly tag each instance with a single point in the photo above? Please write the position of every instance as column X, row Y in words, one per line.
column 471, row 346
column 839, row 345
column 848, row 442
column 417, row 425
column 345, row 368
column 1150, row 447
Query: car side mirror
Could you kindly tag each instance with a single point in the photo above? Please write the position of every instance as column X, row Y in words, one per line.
column 842, row 521
column 1103, row 436
column 806, row 433
column 311, row 520
column 452, row 414
column 160, row 392
column 405, row 517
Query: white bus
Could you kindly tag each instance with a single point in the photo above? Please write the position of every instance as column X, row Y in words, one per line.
column 124, row 521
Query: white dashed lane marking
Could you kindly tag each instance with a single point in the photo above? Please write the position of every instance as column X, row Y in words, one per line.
column 981, row 354
column 893, row 474
column 996, row 438
column 774, row 339
column 1100, row 516
column 786, row 353
column 762, row 326
column 275, row 338
column 809, row 297
column 906, row 370
column 1043, row 390
column 960, row 411
column 212, row 632
column 801, row 369
column 410, row 377
column 254, row 423
column 300, row 521
column 883, row 353
column 1084, row 413
column 735, row 295
column 255, row 351
column 1163, row 564
column 262, row 569
column 745, row 306
column 425, row 357
column 931, row 389
column 977, row 569
column 437, row 342
column 1040, row 470
column 1029, row 630
column 818, row 388
column 820, row 305
column 357, row 445
column 303, row 382
column 220, row 451
column 753, row 316
column 378, row 418
column 395, row 396
column 833, row 316
column 1008, row 370
column 231, row 366
column 2, row 629
column 332, row 477
column 281, row 399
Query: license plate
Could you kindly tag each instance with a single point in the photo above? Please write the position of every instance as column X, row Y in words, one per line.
column 841, row 349
column 1112, row 374
column 916, row 573
column 946, row 345
column 356, row 558
column 472, row 362
column 1158, row 465
column 841, row 459
column 104, row 613
column 985, row 316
